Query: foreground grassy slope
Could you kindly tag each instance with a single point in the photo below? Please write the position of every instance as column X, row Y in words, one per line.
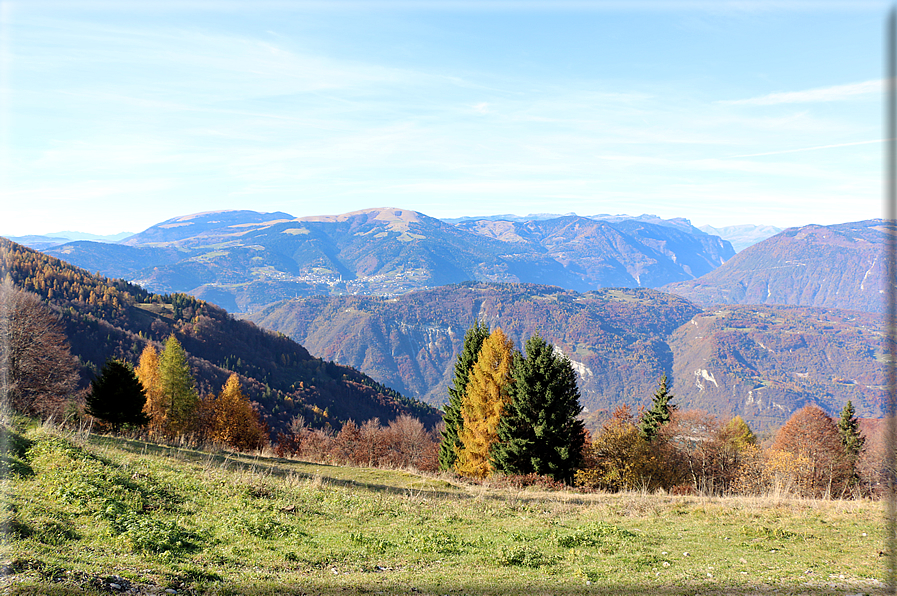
column 81, row 514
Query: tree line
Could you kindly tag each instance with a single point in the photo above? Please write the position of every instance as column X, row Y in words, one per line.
column 160, row 395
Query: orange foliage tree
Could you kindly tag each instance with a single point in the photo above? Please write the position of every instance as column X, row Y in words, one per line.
column 482, row 405
column 808, row 455
column 148, row 372
column 234, row 421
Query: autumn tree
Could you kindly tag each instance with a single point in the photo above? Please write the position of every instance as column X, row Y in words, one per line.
column 538, row 432
column 178, row 387
column 659, row 413
column 808, row 453
column 622, row 458
column 117, row 397
column 156, row 407
column 451, row 445
column 483, row 403
column 737, row 434
column 37, row 370
column 408, row 442
column 234, row 421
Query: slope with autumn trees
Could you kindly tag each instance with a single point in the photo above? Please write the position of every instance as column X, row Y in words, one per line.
column 105, row 318
column 760, row 362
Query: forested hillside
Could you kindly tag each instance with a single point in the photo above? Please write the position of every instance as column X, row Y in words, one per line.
column 762, row 363
column 106, row 318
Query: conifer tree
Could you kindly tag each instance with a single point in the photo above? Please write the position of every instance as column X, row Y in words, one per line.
column 849, row 429
column 451, row 441
column 156, row 407
column 659, row 414
column 538, row 432
column 482, row 404
column 117, row 397
column 178, row 386
column 234, row 421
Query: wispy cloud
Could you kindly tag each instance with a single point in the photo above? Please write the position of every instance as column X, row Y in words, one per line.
column 834, row 93
column 784, row 151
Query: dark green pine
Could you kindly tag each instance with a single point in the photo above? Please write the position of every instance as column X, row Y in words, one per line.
column 539, row 432
column 117, row 397
column 451, row 435
column 660, row 412
column 849, row 429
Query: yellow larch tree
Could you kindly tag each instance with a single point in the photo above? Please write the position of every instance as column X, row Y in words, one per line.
column 482, row 405
column 148, row 372
column 234, row 421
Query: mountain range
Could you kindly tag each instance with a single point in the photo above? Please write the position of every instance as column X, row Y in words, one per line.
column 838, row 266
column 243, row 260
column 790, row 320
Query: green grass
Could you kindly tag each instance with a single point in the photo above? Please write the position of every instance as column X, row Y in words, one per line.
column 78, row 514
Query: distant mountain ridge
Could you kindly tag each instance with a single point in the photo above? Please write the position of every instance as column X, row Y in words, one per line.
column 44, row 241
column 839, row 266
column 244, row 260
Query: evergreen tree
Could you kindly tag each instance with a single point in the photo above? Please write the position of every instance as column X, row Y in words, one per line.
column 147, row 371
column 538, row 431
column 482, row 405
column 660, row 411
column 849, row 429
column 451, row 440
column 117, row 397
column 178, row 386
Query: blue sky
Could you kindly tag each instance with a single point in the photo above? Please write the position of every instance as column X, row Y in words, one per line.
column 118, row 115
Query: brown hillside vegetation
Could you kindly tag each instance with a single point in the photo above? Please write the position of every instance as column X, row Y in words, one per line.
column 762, row 363
column 104, row 318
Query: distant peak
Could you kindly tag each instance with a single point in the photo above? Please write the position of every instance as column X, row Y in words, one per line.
column 390, row 214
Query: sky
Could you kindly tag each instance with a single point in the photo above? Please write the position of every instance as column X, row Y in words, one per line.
column 115, row 116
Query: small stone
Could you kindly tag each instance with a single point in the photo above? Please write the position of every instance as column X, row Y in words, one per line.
column 170, row 591
column 114, row 586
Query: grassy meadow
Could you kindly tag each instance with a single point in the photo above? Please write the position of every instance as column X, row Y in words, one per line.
column 98, row 515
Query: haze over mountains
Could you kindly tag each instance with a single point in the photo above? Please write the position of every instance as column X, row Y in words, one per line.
column 390, row 292
column 243, row 260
